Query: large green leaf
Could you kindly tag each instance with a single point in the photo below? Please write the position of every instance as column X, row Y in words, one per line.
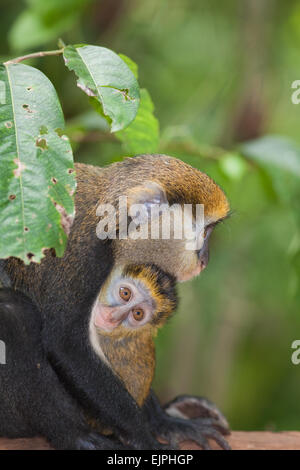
column 142, row 135
column 103, row 75
column 131, row 64
column 36, row 166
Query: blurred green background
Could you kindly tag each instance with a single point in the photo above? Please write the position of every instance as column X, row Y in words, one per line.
column 220, row 76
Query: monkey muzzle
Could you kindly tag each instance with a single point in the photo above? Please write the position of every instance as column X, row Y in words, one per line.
column 107, row 318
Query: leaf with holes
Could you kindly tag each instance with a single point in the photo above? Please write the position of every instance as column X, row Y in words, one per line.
column 104, row 76
column 37, row 179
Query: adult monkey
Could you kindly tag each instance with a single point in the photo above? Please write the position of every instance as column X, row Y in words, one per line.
column 65, row 291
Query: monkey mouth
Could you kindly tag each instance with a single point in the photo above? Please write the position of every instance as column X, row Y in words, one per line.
column 106, row 326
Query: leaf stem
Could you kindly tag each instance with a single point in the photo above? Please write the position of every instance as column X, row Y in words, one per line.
column 34, row 55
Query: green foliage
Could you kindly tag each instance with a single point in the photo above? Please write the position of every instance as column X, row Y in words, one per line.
column 38, row 184
column 231, row 338
column 131, row 64
column 233, row 166
column 275, row 151
column 43, row 21
column 279, row 157
column 103, row 75
column 142, row 135
column 36, row 166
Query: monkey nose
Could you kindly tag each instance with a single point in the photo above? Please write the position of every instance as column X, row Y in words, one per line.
column 114, row 315
column 105, row 317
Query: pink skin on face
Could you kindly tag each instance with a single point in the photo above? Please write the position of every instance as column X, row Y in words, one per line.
column 107, row 318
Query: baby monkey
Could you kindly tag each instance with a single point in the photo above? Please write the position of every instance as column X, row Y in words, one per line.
column 134, row 302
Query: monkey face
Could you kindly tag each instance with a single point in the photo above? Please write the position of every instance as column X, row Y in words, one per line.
column 133, row 297
column 158, row 180
column 180, row 257
column 132, row 304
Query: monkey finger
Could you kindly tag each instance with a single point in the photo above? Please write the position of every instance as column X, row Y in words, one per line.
column 203, row 442
column 196, row 430
column 216, row 436
column 206, row 433
column 211, row 423
column 193, row 407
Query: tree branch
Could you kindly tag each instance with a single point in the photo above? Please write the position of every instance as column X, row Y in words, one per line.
column 34, row 55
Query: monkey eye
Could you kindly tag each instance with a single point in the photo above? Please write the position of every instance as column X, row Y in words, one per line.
column 138, row 314
column 125, row 293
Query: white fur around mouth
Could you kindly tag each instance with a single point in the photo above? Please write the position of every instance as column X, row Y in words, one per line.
column 189, row 275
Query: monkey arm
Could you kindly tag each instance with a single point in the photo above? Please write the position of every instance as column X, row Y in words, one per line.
column 186, row 418
column 97, row 389
column 66, row 291
column 33, row 399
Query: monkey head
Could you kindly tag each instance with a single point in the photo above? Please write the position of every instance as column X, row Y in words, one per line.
column 134, row 297
column 132, row 304
column 161, row 180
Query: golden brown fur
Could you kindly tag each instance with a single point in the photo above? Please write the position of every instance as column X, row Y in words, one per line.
column 182, row 184
column 132, row 358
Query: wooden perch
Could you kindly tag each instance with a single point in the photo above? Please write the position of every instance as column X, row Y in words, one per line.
column 238, row 441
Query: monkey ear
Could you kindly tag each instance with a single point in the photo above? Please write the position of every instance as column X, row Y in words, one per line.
column 149, row 193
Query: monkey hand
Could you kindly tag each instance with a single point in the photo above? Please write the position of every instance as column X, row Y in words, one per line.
column 186, row 418
column 196, row 419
